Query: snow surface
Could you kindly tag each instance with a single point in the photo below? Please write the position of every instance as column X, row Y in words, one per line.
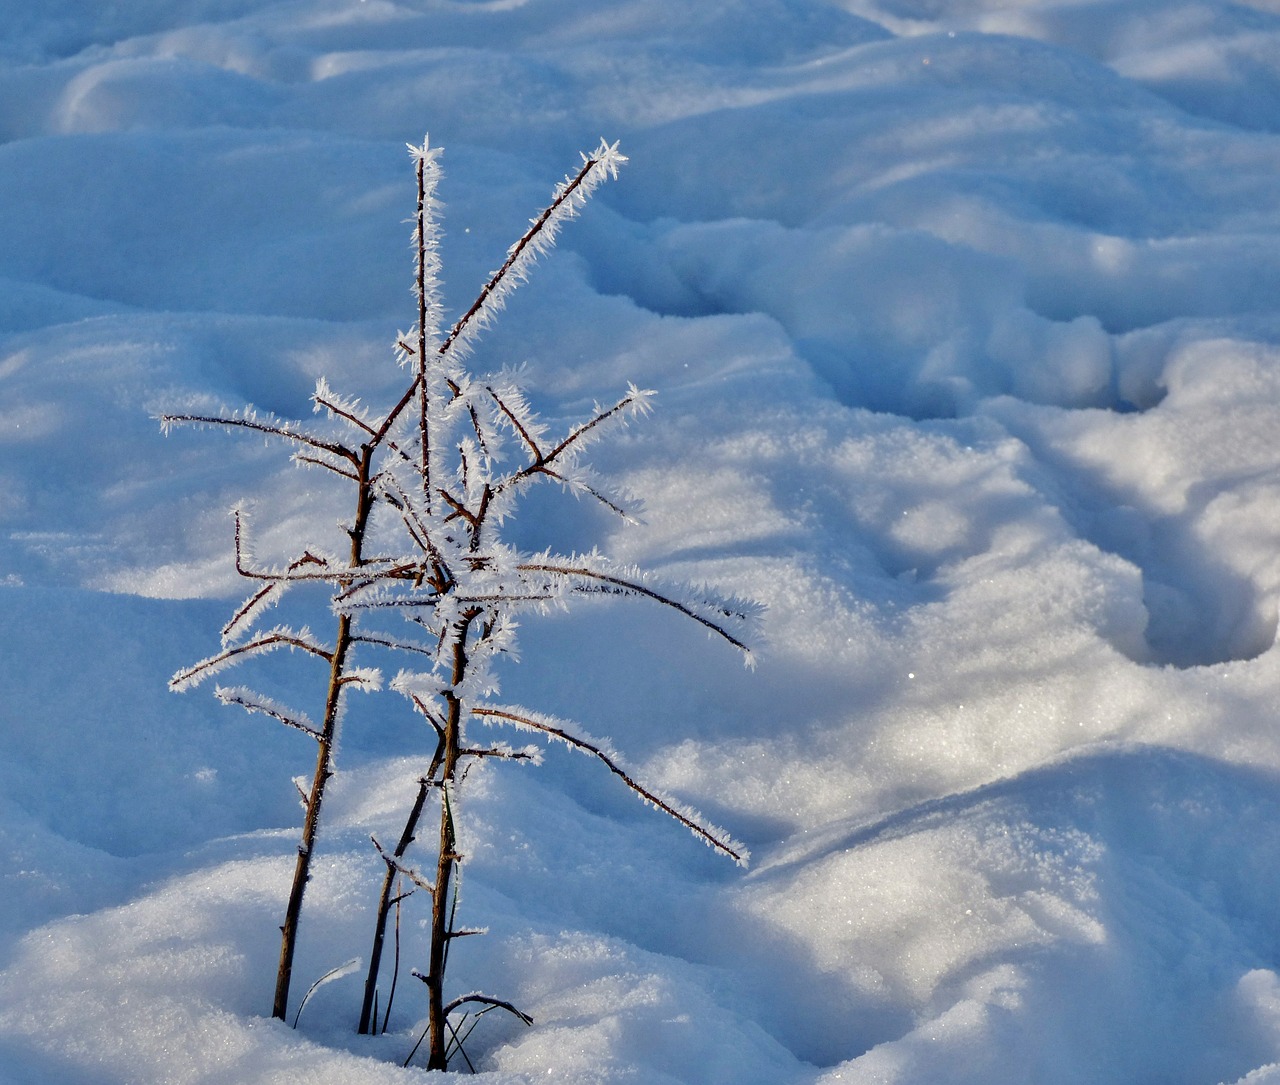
column 965, row 320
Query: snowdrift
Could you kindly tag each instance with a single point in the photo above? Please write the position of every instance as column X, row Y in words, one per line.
column 963, row 319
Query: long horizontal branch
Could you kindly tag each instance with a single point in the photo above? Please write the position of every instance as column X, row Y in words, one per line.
column 433, row 600
column 288, row 434
column 632, row 586
column 266, row 642
column 392, row 643
column 370, row 571
column 587, row 747
column 400, row 570
column 502, row 754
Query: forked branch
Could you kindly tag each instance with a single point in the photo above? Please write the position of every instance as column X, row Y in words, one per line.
column 539, row 236
column 544, row 463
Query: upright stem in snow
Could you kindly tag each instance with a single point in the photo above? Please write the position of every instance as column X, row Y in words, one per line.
column 447, row 856
column 324, row 756
column 367, row 1024
column 421, row 286
column 311, row 823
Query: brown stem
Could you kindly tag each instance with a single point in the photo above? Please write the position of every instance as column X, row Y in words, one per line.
column 447, row 859
column 395, row 970
column 311, row 822
column 324, row 756
column 384, row 900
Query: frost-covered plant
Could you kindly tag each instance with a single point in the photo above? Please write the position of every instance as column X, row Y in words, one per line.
column 440, row 472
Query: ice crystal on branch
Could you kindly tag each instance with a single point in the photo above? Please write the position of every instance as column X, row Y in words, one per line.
column 440, row 470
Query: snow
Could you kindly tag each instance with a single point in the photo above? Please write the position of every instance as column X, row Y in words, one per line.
column 963, row 321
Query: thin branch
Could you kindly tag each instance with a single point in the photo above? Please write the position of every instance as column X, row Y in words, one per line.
column 423, row 271
column 632, row 397
column 397, row 410
column 393, row 861
column 264, row 642
column 438, row 727
column 458, row 1040
column 252, row 702
column 291, row 575
column 402, row 570
column 409, row 1057
column 606, row 157
column 505, row 755
column 338, row 411
column 168, row 420
column 316, row 461
column 483, row 1000
column 548, row 728
column 395, row 968
column 459, row 509
column 249, row 606
column 432, row 600
column 394, row 645
column 418, row 531
column 519, row 426
column 577, row 484
column 634, row 587
column 476, row 427
column 517, row 250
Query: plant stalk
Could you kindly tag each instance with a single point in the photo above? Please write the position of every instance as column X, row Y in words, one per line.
column 367, row 1014
column 447, row 860
column 324, row 756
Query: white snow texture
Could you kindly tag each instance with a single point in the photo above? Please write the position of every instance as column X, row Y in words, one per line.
column 964, row 322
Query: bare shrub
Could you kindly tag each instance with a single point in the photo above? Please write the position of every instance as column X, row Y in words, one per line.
column 438, row 473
